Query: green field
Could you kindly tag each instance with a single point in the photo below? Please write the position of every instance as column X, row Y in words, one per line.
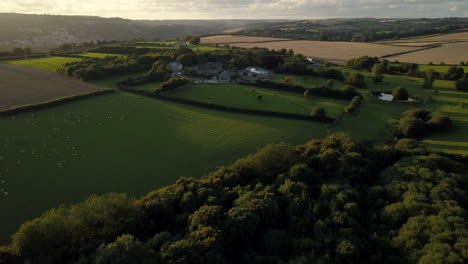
column 243, row 96
column 121, row 143
column 100, row 55
column 195, row 48
column 439, row 68
column 48, row 64
column 376, row 119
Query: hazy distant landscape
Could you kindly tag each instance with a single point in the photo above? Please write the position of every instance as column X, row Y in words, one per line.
column 184, row 141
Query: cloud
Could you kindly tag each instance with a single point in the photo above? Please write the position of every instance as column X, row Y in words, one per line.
column 250, row 9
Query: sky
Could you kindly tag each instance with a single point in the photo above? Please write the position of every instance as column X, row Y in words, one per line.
column 240, row 9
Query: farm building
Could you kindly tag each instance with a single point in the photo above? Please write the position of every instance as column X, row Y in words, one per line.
column 176, row 68
column 207, row 69
column 252, row 74
column 313, row 60
column 225, row 76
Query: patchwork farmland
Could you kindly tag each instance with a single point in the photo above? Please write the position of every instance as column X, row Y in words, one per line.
column 38, row 87
column 95, row 146
column 338, row 52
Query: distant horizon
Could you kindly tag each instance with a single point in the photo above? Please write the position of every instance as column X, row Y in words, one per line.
column 244, row 10
column 227, row 19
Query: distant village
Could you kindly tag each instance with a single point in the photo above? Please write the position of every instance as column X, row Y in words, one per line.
column 214, row 72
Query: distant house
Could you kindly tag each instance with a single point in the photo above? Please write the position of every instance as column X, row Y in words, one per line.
column 253, row 74
column 208, row 69
column 180, row 44
column 225, row 76
column 176, row 69
column 313, row 60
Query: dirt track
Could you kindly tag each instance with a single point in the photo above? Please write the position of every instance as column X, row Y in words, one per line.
column 23, row 85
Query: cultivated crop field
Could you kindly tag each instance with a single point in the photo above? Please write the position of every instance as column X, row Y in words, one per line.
column 228, row 39
column 26, row 85
column 463, row 36
column 338, row 52
column 452, row 53
column 121, row 143
column 48, row 64
column 245, row 96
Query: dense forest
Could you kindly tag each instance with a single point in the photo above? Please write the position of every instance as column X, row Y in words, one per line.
column 358, row 29
column 334, row 200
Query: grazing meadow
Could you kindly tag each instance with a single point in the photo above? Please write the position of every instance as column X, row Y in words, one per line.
column 121, row 143
column 48, row 63
column 245, row 96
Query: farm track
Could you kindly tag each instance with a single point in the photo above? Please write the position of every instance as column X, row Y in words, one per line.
column 28, row 86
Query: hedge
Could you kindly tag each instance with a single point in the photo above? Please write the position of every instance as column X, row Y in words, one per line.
column 229, row 108
column 346, row 93
column 68, row 99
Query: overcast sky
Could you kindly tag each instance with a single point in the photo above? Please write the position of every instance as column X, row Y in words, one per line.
column 248, row 9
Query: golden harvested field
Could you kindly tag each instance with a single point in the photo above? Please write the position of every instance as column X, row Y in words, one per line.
column 463, row 36
column 24, row 85
column 452, row 53
column 226, row 39
column 412, row 44
column 338, row 52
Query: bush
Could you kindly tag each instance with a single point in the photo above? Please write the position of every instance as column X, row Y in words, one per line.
column 411, row 127
column 416, row 123
column 353, row 105
column 330, row 74
column 319, row 112
column 462, row 85
column 355, row 79
column 174, row 83
column 400, row 94
column 417, row 113
column 408, row 144
column 439, row 123
column 454, row 73
column 363, row 63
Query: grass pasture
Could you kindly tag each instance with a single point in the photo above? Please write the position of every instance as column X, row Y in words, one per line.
column 245, row 97
column 121, row 143
column 439, row 68
column 100, row 55
column 48, row 64
column 376, row 120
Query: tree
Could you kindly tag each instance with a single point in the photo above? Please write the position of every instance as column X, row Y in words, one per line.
column 159, row 72
column 429, row 79
column 188, row 59
column 400, row 94
column 454, row 73
column 462, row 85
column 412, row 128
column 125, row 250
column 439, row 122
column 319, row 112
column 355, row 79
column 194, row 41
column 377, row 71
column 363, row 63
column 330, row 83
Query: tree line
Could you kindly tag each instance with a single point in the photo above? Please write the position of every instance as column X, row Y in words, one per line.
column 334, row 200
